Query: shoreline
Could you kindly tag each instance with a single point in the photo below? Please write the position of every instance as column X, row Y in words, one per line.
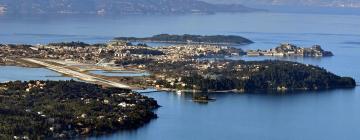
column 34, row 65
column 249, row 91
column 81, row 109
column 185, row 43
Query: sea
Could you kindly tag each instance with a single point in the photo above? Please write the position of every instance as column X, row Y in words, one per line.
column 308, row 115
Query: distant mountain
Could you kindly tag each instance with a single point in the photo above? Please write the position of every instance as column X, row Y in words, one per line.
column 114, row 7
column 315, row 3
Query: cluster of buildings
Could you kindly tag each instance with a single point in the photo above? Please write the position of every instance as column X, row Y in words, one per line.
column 36, row 85
column 287, row 49
column 208, row 69
column 16, row 51
column 89, row 54
column 115, row 51
column 184, row 52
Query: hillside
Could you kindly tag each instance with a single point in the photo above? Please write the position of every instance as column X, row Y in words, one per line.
column 190, row 39
column 315, row 3
column 69, row 109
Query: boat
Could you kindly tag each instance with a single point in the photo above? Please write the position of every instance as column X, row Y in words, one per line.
column 203, row 99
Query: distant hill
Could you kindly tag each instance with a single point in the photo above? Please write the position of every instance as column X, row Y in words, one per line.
column 300, row 6
column 114, row 7
column 191, row 39
column 315, row 3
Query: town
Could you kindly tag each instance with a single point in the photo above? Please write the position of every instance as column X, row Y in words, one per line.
column 180, row 67
column 92, row 54
column 77, row 58
column 287, row 49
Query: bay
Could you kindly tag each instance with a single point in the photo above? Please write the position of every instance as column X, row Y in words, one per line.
column 332, row 115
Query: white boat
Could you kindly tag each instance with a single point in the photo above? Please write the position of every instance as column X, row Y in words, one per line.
column 178, row 92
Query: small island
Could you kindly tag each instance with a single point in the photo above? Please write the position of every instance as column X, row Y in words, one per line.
column 202, row 99
column 287, row 49
column 69, row 109
column 190, row 39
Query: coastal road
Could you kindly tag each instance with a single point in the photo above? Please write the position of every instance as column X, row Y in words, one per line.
column 79, row 75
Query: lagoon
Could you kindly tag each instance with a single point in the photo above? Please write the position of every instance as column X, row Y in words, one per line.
column 13, row 73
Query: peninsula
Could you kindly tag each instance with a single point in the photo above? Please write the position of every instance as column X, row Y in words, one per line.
column 69, row 109
column 198, row 67
column 244, row 76
column 191, row 39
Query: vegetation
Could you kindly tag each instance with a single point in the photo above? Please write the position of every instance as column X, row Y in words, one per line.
column 216, row 39
column 100, row 45
column 70, row 44
column 67, row 109
column 142, row 45
column 248, row 76
column 19, row 46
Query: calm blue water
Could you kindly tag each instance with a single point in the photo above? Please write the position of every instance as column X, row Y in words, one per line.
column 12, row 73
column 312, row 116
column 328, row 115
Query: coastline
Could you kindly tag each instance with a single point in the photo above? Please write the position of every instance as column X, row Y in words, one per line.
column 187, row 43
column 249, row 91
column 66, row 111
column 28, row 64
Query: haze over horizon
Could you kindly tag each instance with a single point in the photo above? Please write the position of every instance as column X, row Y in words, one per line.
column 179, row 69
column 314, row 3
column 114, row 7
column 172, row 7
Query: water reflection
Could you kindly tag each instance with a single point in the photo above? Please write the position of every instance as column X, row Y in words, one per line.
column 318, row 115
column 13, row 73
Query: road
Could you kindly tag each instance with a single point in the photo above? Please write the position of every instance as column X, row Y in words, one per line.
column 79, row 75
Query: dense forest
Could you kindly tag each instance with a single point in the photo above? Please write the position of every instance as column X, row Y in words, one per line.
column 67, row 109
column 249, row 76
column 70, row 44
column 186, row 38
